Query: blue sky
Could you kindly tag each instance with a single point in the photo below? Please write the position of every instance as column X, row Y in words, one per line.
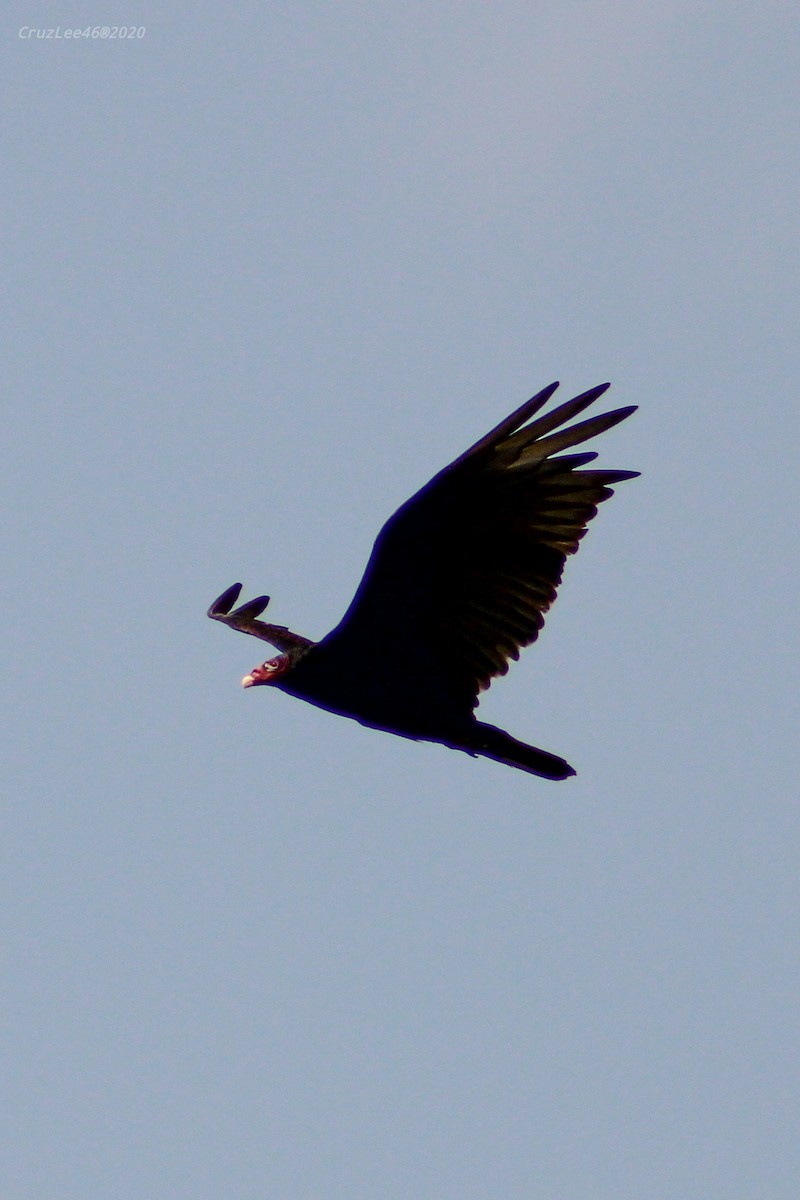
column 266, row 272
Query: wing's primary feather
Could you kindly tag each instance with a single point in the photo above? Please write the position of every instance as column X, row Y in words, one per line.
column 245, row 620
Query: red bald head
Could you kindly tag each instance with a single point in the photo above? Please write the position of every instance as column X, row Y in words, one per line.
column 268, row 671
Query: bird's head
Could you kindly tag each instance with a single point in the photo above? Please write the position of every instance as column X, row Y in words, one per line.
column 268, row 672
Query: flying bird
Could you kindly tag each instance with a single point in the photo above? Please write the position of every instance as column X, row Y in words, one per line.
column 458, row 581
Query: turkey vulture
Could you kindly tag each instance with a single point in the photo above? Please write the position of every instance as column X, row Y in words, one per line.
column 458, row 581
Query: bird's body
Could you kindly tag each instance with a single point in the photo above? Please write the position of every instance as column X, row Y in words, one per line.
column 458, row 581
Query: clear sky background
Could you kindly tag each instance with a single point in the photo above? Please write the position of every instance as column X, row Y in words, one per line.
column 266, row 271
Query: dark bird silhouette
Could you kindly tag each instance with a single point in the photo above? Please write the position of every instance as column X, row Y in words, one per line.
column 458, row 581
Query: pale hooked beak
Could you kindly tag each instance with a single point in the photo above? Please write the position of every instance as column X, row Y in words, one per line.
column 256, row 676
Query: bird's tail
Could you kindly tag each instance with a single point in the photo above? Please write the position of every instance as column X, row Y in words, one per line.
column 495, row 743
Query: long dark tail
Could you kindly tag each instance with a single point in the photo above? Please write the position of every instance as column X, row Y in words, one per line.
column 495, row 743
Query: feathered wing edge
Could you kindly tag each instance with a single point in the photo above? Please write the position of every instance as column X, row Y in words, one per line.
column 514, row 435
column 244, row 619
column 493, row 630
column 508, row 425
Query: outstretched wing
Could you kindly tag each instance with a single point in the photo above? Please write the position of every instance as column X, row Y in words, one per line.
column 461, row 576
column 245, row 619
